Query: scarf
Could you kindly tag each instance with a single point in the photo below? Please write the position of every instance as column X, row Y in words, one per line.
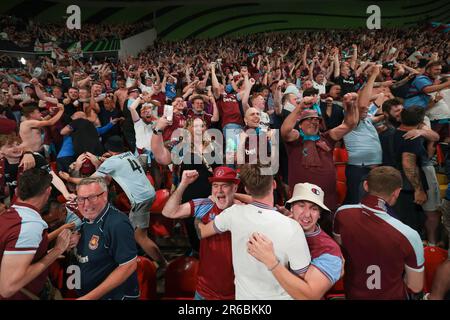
column 310, row 153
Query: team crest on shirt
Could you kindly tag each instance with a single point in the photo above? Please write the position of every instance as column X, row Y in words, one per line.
column 315, row 191
column 93, row 243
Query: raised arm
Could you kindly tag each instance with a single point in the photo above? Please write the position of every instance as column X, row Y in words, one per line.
column 161, row 153
column 173, row 208
column 41, row 95
column 214, row 81
column 351, row 119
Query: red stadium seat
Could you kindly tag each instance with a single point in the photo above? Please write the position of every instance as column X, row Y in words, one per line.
column 181, row 278
column 434, row 256
column 340, row 155
column 122, row 203
column 162, row 196
column 150, row 178
column 146, row 274
column 56, row 274
column 340, row 173
column 440, row 155
column 341, row 188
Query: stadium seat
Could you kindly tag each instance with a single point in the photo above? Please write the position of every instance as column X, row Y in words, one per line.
column 161, row 198
column 122, row 203
column 340, row 155
column 434, row 256
column 181, row 278
column 146, row 274
column 150, row 178
column 56, row 274
column 440, row 155
column 340, row 173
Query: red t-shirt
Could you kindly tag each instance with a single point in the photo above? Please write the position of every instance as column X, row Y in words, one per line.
column 7, row 126
column 377, row 248
column 229, row 109
column 205, row 116
column 22, row 230
column 215, row 273
column 324, row 175
column 178, row 121
column 161, row 97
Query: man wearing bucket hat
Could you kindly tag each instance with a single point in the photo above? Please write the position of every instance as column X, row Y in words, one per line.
column 253, row 280
column 326, row 266
column 215, row 274
column 310, row 153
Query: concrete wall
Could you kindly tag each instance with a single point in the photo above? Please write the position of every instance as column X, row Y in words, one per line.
column 136, row 43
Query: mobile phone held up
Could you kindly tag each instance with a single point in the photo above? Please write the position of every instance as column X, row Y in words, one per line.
column 168, row 112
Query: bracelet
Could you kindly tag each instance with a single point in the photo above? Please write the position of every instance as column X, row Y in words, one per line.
column 276, row 265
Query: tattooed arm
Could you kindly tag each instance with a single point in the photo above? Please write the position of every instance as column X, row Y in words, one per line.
column 412, row 174
column 204, row 230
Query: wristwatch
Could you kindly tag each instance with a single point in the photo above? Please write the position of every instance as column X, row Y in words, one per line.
column 157, row 131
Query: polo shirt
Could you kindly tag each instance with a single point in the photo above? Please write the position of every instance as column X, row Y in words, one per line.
column 215, row 273
column 105, row 244
column 363, row 144
column 252, row 279
column 23, row 231
column 376, row 246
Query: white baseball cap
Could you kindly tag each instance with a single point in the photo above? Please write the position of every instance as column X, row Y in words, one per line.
column 236, row 73
column 308, row 192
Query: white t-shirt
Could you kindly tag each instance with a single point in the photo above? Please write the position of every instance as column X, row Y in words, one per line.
column 143, row 134
column 252, row 279
column 441, row 110
column 320, row 87
column 145, row 88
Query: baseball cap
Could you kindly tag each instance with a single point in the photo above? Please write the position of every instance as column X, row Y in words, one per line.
column 224, row 174
column 236, row 73
column 87, row 168
column 308, row 113
column 115, row 144
column 308, row 192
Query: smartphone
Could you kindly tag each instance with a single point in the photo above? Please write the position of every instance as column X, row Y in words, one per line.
column 168, row 112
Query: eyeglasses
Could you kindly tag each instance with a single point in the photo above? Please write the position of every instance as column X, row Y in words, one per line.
column 312, row 119
column 81, row 200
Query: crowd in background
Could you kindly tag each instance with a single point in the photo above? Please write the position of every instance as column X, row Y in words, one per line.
column 382, row 95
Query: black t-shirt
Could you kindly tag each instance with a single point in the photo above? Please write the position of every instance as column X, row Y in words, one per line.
column 336, row 118
column 347, row 84
column 12, row 170
column 200, row 188
column 105, row 117
column 85, row 137
column 394, row 145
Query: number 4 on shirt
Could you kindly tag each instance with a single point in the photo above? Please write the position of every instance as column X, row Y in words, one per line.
column 134, row 165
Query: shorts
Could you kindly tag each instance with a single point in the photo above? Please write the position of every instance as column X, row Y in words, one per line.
column 433, row 192
column 140, row 214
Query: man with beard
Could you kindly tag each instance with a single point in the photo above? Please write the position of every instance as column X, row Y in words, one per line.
column 215, row 275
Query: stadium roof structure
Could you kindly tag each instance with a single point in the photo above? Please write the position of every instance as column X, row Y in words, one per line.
column 175, row 19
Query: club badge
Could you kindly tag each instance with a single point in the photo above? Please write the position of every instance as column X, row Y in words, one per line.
column 93, row 243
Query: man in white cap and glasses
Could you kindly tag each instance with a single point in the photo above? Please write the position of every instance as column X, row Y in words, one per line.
column 327, row 263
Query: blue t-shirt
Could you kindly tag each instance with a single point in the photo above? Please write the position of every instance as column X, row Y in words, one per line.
column 418, row 97
column 171, row 91
column 104, row 245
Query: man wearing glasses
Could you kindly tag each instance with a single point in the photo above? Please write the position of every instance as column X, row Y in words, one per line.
column 105, row 247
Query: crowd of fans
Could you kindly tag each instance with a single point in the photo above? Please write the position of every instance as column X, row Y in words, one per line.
column 25, row 32
column 285, row 103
